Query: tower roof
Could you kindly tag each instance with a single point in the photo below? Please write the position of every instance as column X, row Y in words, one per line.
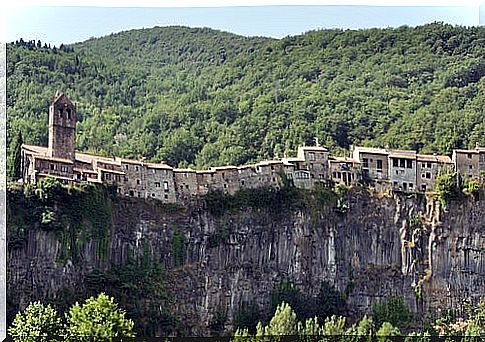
column 61, row 98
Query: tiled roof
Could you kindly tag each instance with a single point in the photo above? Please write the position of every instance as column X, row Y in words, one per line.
column 159, row 166
column 371, row 150
column 312, row 148
column 184, row 170
column 434, row 158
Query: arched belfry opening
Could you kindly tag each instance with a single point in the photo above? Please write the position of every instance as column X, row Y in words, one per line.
column 62, row 128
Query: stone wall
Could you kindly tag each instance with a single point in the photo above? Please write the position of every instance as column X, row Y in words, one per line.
column 377, row 249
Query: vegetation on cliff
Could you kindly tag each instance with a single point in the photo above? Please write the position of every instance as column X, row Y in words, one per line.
column 202, row 97
column 85, row 214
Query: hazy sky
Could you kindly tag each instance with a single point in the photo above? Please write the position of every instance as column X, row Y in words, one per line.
column 57, row 24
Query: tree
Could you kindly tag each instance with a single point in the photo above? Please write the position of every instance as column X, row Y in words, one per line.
column 99, row 319
column 445, row 185
column 35, row 323
column 329, row 301
column 386, row 331
column 393, row 310
column 15, row 171
column 283, row 322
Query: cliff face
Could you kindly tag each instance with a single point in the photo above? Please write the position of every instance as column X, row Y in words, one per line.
column 381, row 246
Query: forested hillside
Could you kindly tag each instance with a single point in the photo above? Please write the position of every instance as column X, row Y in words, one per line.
column 202, row 97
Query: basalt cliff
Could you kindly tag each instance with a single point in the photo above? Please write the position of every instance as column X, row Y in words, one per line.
column 375, row 247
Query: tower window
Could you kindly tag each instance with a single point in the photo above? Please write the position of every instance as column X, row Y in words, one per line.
column 68, row 114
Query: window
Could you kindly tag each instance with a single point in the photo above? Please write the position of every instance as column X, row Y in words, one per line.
column 429, row 165
column 423, row 187
column 153, row 195
column 272, row 167
column 126, row 167
column 395, row 184
column 379, row 164
column 53, row 167
column 339, row 175
column 423, row 165
column 107, row 176
column 311, row 156
column 470, row 167
column 428, row 175
column 395, row 162
column 409, row 164
column 365, row 162
column 136, row 168
column 157, row 184
column 242, row 182
column 187, row 186
column 181, row 187
column 225, row 186
column 469, row 156
column 411, row 185
column 405, row 186
column 138, row 182
column 132, row 193
column 64, row 168
column 154, row 171
column 402, row 162
column 166, row 196
column 165, row 186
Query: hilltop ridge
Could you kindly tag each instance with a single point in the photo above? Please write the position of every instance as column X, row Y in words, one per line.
column 200, row 97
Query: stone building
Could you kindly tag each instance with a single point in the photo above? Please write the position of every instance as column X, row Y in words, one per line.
column 397, row 169
column 374, row 165
column 344, row 169
column 62, row 128
column 268, row 173
column 248, row 177
column 428, row 168
column 226, row 178
column 402, row 170
column 186, row 185
column 316, row 158
column 470, row 163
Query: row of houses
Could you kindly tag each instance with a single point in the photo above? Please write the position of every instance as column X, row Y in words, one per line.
column 399, row 170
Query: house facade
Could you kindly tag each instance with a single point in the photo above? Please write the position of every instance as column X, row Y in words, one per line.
column 399, row 170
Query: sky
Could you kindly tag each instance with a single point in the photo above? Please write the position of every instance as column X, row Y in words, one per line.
column 56, row 24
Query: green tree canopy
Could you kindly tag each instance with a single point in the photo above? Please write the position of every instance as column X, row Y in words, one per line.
column 98, row 318
column 37, row 322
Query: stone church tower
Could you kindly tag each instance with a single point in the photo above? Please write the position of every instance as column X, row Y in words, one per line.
column 62, row 128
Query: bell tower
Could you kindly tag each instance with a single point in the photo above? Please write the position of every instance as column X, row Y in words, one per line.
column 62, row 128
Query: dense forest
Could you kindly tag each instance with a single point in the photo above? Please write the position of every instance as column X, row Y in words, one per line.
column 201, row 97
